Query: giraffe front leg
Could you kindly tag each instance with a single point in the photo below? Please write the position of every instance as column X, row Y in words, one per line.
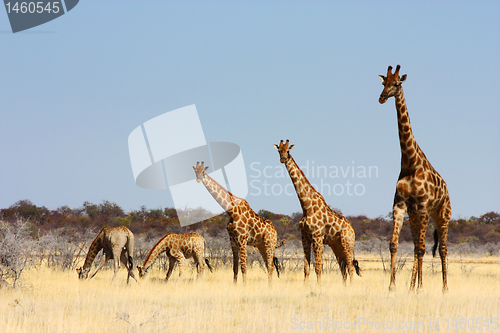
column 105, row 257
column 399, row 212
column 318, row 256
column 179, row 257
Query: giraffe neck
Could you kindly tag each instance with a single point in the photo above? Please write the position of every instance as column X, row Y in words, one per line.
column 409, row 147
column 223, row 197
column 155, row 252
column 94, row 249
column 305, row 191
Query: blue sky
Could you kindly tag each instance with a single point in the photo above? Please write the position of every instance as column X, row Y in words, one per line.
column 73, row 89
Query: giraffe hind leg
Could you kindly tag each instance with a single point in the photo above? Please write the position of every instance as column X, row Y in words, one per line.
column 441, row 220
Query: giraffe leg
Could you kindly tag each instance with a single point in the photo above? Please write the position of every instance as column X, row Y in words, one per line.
column 130, row 267
column 347, row 241
column 337, row 250
column 306, row 245
column 267, row 255
column 243, row 259
column 399, row 212
column 441, row 221
column 116, row 262
column 318, row 256
column 105, row 257
column 424, row 221
column 200, row 264
column 234, row 249
column 179, row 257
column 171, row 265
column 236, row 259
column 415, row 233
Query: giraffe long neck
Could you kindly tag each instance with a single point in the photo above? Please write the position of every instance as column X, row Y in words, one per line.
column 409, row 147
column 94, row 249
column 305, row 191
column 223, row 197
column 155, row 252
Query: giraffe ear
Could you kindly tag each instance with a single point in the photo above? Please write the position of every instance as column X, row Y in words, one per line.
column 192, row 167
column 382, row 78
column 291, row 147
column 402, row 79
column 205, row 169
column 277, row 147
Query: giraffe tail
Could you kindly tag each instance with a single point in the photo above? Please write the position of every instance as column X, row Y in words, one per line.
column 280, row 243
column 208, row 265
column 276, row 265
column 436, row 238
column 356, row 267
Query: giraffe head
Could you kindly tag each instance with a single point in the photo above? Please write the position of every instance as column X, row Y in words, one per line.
column 283, row 150
column 200, row 171
column 142, row 271
column 83, row 273
column 392, row 84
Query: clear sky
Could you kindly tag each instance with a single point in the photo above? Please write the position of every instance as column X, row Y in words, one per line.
column 73, row 89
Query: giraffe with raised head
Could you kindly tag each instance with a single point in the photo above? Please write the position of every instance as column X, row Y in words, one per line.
column 245, row 227
column 319, row 224
column 420, row 191
column 178, row 248
column 118, row 244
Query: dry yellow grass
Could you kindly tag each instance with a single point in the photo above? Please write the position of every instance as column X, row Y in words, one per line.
column 55, row 301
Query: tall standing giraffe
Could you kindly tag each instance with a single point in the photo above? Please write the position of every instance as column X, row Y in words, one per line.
column 245, row 227
column 117, row 244
column 178, row 248
column 320, row 224
column 420, row 191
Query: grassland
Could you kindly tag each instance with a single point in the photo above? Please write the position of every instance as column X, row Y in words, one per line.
column 51, row 300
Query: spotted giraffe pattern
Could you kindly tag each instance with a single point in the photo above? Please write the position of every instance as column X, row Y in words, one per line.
column 420, row 191
column 245, row 227
column 320, row 224
column 118, row 244
column 177, row 248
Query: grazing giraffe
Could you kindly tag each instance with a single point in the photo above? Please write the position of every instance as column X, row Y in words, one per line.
column 420, row 191
column 320, row 224
column 178, row 248
column 245, row 227
column 118, row 244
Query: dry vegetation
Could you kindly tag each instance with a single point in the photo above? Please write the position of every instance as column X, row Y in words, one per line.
column 52, row 300
column 40, row 291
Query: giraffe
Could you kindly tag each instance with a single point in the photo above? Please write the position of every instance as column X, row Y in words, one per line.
column 178, row 248
column 320, row 224
column 420, row 191
column 245, row 227
column 114, row 242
